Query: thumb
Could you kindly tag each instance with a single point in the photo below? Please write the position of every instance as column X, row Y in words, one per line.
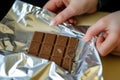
column 63, row 15
column 94, row 30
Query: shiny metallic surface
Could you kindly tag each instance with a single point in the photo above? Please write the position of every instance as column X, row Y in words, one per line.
column 15, row 64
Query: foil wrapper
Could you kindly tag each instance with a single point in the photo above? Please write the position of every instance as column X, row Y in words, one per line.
column 16, row 32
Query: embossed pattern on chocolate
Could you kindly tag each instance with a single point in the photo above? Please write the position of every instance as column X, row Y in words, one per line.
column 58, row 48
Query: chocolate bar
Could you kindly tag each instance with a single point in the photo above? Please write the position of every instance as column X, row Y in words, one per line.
column 58, row 48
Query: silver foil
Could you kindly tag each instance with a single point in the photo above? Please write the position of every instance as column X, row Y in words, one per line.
column 16, row 32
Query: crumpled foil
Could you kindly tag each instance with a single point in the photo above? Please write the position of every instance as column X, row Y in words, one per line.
column 16, row 31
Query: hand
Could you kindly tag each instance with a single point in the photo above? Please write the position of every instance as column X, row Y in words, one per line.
column 110, row 39
column 66, row 9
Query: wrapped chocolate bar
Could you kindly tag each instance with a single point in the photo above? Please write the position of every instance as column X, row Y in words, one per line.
column 30, row 49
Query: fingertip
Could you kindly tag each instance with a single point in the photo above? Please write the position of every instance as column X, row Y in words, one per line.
column 72, row 21
column 58, row 19
column 102, row 50
column 102, row 53
column 85, row 38
column 52, row 23
column 64, row 16
column 55, row 21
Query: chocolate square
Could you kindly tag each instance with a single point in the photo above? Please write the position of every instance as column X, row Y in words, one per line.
column 49, row 38
column 61, row 40
column 73, row 42
column 70, row 52
column 34, row 48
column 67, row 63
column 37, row 37
column 58, row 51
column 45, row 49
column 44, row 56
column 57, row 60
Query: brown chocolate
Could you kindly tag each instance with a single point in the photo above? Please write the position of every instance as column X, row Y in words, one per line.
column 70, row 52
column 49, row 38
column 73, row 42
column 67, row 63
column 61, row 40
column 57, row 60
column 38, row 36
column 45, row 49
column 44, row 56
column 58, row 51
column 58, row 48
column 34, row 48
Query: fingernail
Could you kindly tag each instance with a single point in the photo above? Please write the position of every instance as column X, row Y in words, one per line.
column 52, row 23
column 85, row 39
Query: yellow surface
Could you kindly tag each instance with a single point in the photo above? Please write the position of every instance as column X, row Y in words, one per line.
column 90, row 19
column 111, row 67
column 111, row 63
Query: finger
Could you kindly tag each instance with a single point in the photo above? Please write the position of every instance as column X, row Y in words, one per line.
column 106, row 46
column 53, row 5
column 63, row 16
column 94, row 30
column 72, row 21
column 50, row 5
column 99, row 41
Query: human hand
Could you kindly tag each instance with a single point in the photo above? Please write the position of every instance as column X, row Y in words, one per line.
column 110, row 39
column 66, row 9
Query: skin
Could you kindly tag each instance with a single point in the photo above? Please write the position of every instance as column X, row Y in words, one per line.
column 67, row 9
column 109, row 25
column 109, row 41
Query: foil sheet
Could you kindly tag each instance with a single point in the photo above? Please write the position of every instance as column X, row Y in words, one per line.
column 16, row 32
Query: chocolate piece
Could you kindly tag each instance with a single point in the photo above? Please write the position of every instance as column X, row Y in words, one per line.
column 70, row 52
column 61, row 40
column 58, row 51
column 44, row 56
column 46, row 49
column 58, row 48
column 38, row 37
column 73, row 42
column 57, row 60
column 34, row 48
column 67, row 63
column 49, row 38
